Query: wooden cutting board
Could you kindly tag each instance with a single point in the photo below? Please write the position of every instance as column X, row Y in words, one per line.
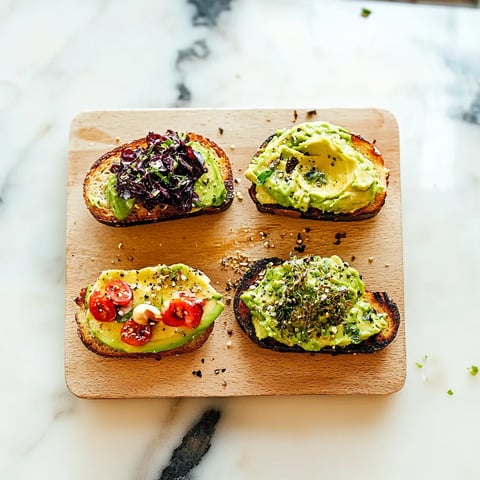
column 230, row 364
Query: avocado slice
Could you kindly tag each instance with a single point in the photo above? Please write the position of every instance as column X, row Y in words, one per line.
column 156, row 286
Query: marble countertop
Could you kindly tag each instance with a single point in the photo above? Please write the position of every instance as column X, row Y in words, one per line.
column 419, row 62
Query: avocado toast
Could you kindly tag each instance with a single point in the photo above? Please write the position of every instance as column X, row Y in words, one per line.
column 156, row 311
column 159, row 177
column 319, row 171
column 313, row 304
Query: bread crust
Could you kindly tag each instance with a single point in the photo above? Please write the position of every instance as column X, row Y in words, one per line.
column 96, row 177
column 380, row 300
column 373, row 208
column 95, row 346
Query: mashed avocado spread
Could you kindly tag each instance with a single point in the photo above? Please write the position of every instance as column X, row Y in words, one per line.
column 312, row 302
column 313, row 164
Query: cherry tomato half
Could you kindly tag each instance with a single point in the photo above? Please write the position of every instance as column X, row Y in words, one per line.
column 135, row 334
column 101, row 307
column 183, row 312
column 119, row 292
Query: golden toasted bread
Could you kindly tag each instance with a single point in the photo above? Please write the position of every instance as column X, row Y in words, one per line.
column 94, row 345
column 100, row 174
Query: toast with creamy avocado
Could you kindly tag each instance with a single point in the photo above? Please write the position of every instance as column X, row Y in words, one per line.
column 159, row 177
column 313, row 304
column 319, row 171
column 153, row 312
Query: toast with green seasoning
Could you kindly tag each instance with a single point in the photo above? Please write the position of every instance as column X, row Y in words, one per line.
column 159, row 177
column 153, row 312
column 319, row 171
column 313, row 305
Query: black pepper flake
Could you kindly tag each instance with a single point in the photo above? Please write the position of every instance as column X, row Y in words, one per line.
column 291, row 164
column 295, row 115
column 300, row 248
column 197, row 373
column 220, row 130
column 338, row 237
column 202, row 360
column 219, row 370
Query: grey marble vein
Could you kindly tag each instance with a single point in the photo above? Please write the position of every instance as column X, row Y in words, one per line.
column 198, row 50
column 195, row 444
column 472, row 115
column 208, row 11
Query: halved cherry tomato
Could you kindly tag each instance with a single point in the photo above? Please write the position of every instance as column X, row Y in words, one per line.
column 135, row 334
column 119, row 292
column 183, row 311
column 101, row 307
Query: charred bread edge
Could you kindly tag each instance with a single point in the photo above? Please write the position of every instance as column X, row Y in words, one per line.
column 381, row 301
column 169, row 213
column 368, row 211
column 95, row 346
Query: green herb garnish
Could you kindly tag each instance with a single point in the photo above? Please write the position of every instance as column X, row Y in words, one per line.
column 314, row 175
column 366, row 12
column 262, row 177
column 473, row 370
column 450, row 392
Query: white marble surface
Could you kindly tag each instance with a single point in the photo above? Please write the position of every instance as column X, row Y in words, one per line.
column 420, row 62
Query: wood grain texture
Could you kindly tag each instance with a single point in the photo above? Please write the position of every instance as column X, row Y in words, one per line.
column 372, row 246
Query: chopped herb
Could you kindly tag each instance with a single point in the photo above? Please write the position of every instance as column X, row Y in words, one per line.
column 473, row 370
column 262, row 177
column 353, row 332
column 366, row 12
column 422, row 362
column 313, row 175
column 450, row 392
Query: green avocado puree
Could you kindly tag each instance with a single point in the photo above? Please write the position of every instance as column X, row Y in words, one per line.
column 156, row 286
column 313, row 164
column 312, row 302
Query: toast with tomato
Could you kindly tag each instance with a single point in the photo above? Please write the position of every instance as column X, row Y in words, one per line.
column 153, row 312
column 159, row 177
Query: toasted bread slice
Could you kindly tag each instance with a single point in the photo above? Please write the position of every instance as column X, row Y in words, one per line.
column 98, row 176
column 95, row 346
column 380, row 301
column 364, row 147
column 158, row 286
